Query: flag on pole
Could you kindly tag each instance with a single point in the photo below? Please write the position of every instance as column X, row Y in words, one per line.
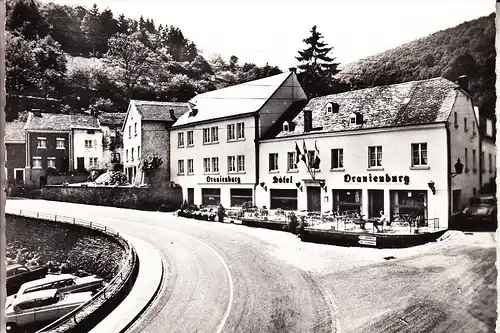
column 317, row 160
column 305, row 154
column 298, row 154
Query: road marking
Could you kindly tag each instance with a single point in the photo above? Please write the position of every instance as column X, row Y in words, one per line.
column 231, row 287
column 330, row 301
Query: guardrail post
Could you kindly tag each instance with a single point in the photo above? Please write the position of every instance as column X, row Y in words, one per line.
column 90, row 224
column 74, row 220
column 37, row 214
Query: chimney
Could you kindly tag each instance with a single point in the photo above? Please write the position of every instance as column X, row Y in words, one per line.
column 36, row 112
column 307, row 120
column 292, row 69
column 463, row 82
column 172, row 115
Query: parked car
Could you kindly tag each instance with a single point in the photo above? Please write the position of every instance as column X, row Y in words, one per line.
column 65, row 283
column 481, row 214
column 42, row 307
column 19, row 274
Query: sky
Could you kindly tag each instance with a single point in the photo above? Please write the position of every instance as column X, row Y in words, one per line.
column 272, row 31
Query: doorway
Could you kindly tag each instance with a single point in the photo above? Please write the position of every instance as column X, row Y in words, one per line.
column 375, row 203
column 19, row 176
column 80, row 163
column 313, row 199
column 190, row 196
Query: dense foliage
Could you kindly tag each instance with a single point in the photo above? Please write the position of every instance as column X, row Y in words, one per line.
column 89, row 60
column 467, row 49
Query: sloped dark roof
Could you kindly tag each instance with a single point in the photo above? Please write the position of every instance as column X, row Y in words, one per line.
column 84, row 121
column 160, row 111
column 409, row 103
column 14, row 132
column 108, row 118
column 60, row 122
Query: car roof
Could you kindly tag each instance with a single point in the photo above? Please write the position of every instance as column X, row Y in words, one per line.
column 13, row 266
column 41, row 294
column 47, row 279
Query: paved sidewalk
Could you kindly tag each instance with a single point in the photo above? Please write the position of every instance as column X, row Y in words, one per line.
column 145, row 288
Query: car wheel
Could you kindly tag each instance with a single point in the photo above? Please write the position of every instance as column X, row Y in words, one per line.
column 11, row 327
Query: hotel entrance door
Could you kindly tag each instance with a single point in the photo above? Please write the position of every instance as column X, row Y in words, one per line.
column 375, row 202
column 313, row 199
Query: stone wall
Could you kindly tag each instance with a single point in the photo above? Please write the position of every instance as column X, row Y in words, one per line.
column 147, row 198
column 35, row 242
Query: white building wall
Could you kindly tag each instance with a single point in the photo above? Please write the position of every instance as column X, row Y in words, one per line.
column 462, row 138
column 79, row 138
column 396, row 147
column 222, row 150
column 108, row 134
column 131, row 139
column 489, row 151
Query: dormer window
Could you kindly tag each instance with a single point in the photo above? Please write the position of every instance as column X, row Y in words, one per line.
column 332, row 107
column 356, row 118
column 286, row 126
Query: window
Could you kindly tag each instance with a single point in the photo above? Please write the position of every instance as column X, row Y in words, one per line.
column 180, row 139
column 418, row 154
column 482, row 162
column 374, row 156
column 93, row 162
column 240, row 130
column 231, row 163
column 90, row 131
column 466, row 160
column 206, row 135
column 215, row 134
column 215, row 164
column 291, row 163
column 138, row 152
column 210, row 196
column 126, row 155
column 240, row 163
column 240, row 196
column 273, row 162
column 88, row 143
column 131, row 154
column 37, row 162
column 231, row 129
column 455, row 116
column 329, row 108
column 474, row 160
column 474, row 128
column 337, row 158
column 51, row 162
column 135, row 129
column 206, row 165
column 286, row 127
column 190, row 167
column 465, row 125
column 490, row 163
column 311, row 156
column 353, row 119
column 283, row 198
column 190, row 138
column 42, row 143
column 60, row 143
column 129, row 131
column 180, row 167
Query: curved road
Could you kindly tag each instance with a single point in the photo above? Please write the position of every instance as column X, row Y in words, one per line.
column 231, row 278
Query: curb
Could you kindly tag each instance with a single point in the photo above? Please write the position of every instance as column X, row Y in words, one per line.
column 146, row 287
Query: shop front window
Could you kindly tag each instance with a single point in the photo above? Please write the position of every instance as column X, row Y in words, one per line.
column 210, row 196
column 346, row 201
column 408, row 206
column 240, row 196
column 283, row 198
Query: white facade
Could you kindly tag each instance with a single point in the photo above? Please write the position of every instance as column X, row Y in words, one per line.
column 375, row 188
column 132, row 142
column 214, row 183
column 109, row 135
column 87, row 147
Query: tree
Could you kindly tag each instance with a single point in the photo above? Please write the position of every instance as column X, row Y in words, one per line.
column 122, row 25
column 149, row 166
column 25, row 17
column 65, row 28
column 317, row 67
column 129, row 62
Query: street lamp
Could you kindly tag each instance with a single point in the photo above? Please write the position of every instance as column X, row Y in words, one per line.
column 459, row 167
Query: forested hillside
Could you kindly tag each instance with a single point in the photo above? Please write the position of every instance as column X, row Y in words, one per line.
column 79, row 59
column 467, row 49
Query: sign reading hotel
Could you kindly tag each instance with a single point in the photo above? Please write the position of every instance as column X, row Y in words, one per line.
column 235, row 180
column 376, row 179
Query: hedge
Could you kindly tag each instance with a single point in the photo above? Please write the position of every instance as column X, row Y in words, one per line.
column 146, row 198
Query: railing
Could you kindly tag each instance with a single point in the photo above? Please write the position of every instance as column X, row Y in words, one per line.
column 78, row 315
